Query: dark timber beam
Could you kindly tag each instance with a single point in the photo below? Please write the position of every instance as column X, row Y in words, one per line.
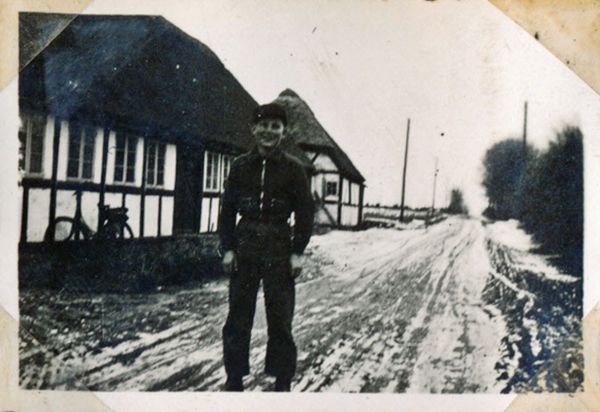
column 340, row 193
column 24, row 214
column 143, row 194
column 103, row 173
column 361, row 195
column 54, row 176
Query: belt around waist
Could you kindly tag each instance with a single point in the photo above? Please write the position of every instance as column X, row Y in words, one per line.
column 278, row 220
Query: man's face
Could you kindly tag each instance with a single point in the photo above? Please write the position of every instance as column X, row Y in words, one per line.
column 268, row 132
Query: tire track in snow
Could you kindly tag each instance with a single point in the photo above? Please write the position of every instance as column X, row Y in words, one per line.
column 380, row 310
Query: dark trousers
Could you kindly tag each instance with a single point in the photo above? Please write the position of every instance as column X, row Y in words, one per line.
column 278, row 287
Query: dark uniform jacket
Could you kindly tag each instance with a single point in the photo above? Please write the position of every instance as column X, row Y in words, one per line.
column 265, row 191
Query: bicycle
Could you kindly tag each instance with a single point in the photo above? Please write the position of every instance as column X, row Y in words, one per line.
column 113, row 224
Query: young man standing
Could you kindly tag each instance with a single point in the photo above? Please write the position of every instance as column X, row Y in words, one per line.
column 264, row 186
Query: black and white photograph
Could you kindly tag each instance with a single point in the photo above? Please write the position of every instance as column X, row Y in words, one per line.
column 340, row 197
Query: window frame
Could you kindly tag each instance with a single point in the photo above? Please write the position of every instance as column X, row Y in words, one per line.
column 27, row 123
column 215, row 169
column 158, row 145
column 225, row 160
column 82, row 135
column 331, row 183
column 128, row 138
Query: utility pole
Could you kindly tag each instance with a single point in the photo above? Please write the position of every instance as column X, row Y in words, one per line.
column 435, row 173
column 404, row 171
column 525, row 132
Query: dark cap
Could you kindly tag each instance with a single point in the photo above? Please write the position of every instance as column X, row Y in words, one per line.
column 270, row 111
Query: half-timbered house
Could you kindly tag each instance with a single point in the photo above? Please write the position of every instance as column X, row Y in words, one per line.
column 337, row 185
column 124, row 111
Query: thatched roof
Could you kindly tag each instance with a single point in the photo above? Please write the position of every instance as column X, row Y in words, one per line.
column 135, row 72
column 305, row 130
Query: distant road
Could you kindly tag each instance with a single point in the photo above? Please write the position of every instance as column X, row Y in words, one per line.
column 457, row 307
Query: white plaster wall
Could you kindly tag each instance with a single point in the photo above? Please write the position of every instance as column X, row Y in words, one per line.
column 349, row 215
column 321, row 218
column 333, row 211
column 204, row 215
column 47, row 150
column 39, row 201
column 20, row 206
column 97, row 168
column 355, row 193
column 139, row 161
column 63, row 150
column 214, row 214
column 132, row 203
column 38, row 214
column 66, row 204
column 110, row 157
column 324, row 163
column 316, row 184
column 166, row 225
column 89, row 208
column 151, row 216
column 170, row 166
column 113, row 199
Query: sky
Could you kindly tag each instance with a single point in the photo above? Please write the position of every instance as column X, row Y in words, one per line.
column 460, row 70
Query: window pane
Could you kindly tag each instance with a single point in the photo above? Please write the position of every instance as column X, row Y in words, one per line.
column 215, row 171
column 160, row 165
column 88, row 154
column 150, row 167
column 118, row 173
column 86, row 172
column 131, row 153
column 37, row 144
column 209, row 170
column 131, row 174
column 35, row 163
column 74, row 146
column 22, row 143
column 331, row 188
column 119, row 157
column 226, row 166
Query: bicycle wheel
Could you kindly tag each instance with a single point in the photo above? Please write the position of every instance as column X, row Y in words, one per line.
column 64, row 229
column 127, row 232
column 116, row 230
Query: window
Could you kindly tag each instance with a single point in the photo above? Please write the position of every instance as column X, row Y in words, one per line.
column 31, row 150
column 331, row 189
column 125, row 158
column 81, row 152
column 155, row 163
column 226, row 167
column 211, row 172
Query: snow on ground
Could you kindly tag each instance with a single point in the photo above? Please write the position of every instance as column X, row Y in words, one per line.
column 455, row 307
column 509, row 235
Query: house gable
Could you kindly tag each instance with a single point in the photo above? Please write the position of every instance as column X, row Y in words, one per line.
column 323, row 163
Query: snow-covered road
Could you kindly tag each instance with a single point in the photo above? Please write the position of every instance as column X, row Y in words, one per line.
column 457, row 307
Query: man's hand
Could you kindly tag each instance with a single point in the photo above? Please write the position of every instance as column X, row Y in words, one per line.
column 229, row 262
column 296, row 262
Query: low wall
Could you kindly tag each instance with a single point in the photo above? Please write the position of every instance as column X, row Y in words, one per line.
column 118, row 265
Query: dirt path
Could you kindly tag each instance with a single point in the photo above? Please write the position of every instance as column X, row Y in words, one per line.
column 452, row 308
